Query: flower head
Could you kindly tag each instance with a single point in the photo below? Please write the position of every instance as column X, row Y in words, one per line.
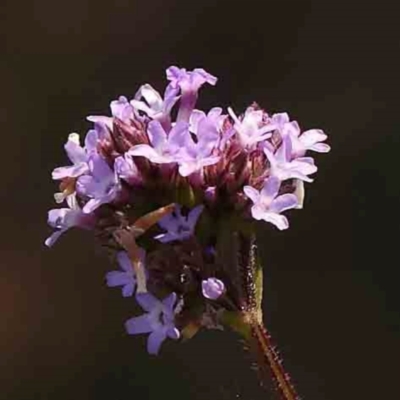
column 157, row 163
column 158, row 320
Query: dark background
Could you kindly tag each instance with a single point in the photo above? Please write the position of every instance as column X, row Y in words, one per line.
column 331, row 288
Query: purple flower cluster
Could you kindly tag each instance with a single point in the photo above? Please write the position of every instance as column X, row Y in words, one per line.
column 155, row 150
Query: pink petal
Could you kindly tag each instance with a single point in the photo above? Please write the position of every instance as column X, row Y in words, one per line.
column 312, row 136
column 280, row 221
column 157, row 135
column 270, row 189
column 283, row 202
column 251, row 193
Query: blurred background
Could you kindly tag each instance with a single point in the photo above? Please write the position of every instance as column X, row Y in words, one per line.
column 331, row 280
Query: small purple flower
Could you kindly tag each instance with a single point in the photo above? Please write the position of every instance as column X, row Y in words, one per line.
column 193, row 156
column 158, row 321
column 164, row 147
column 284, row 167
column 177, row 226
column 126, row 169
column 301, row 142
column 78, row 155
column 125, row 278
column 267, row 205
column 120, row 108
column 154, row 105
column 63, row 219
column 101, row 186
column 308, row 140
column 189, row 83
column 215, row 115
column 251, row 128
column 212, row 288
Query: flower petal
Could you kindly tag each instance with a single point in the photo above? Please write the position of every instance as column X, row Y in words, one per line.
column 169, row 301
column 100, row 169
column 54, row 237
column 304, row 165
column 173, row 333
column 74, row 150
column 252, row 193
column 144, row 150
column 157, row 135
column 91, row 141
column 280, row 221
column 128, row 289
column 194, row 215
column 124, row 262
column 92, row 205
column 283, row 202
column 155, row 340
column 195, row 117
column 137, row 325
column 71, row 171
column 178, row 137
column 320, row 148
column 312, row 136
column 258, row 211
column 270, row 189
column 117, row 278
column 152, row 97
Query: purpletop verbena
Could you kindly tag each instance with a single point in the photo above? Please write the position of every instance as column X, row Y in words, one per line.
column 157, row 179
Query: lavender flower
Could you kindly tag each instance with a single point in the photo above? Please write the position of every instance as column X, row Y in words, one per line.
column 308, row 140
column 102, row 186
column 267, row 205
column 158, row 321
column 164, row 147
column 120, row 108
column 154, row 105
column 193, row 156
column 177, row 226
column 215, row 115
column 189, row 83
column 126, row 169
column 284, row 167
column 215, row 161
column 125, row 278
column 212, row 288
column 63, row 219
column 78, row 155
column 251, row 129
